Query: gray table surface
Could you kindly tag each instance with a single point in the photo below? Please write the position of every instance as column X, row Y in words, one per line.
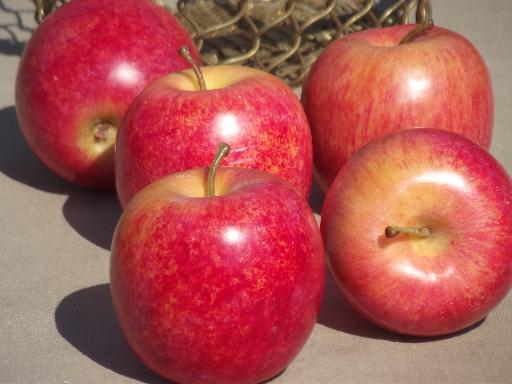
column 56, row 318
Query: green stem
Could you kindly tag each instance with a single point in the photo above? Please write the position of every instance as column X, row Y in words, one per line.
column 392, row 231
column 424, row 26
column 222, row 152
column 184, row 51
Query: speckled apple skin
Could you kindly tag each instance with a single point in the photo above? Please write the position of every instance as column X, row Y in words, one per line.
column 171, row 127
column 221, row 289
column 365, row 85
column 423, row 178
column 85, row 63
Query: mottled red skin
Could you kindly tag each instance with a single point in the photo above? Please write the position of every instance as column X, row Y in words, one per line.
column 172, row 126
column 423, row 178
column 221, row 289
column 67, row 79
column 365, row 85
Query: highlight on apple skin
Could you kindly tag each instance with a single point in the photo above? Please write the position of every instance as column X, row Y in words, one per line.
column 79, row 72
column 217, row 289
column 366, row 85
column 416, row 229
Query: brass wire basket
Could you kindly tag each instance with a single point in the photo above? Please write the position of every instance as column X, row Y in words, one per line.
column 283, row 37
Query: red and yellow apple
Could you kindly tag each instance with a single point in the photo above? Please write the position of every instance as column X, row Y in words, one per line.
column 366, row 85
column 416, row 229
column 173, row 125
column 79, row 72
column 217, row 289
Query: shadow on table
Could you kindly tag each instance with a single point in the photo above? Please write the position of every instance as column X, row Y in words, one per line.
column 338, row 314
column 87, row 321
column 93, row 215
column 15, row 28
column 316, row 198
column 11, row 47
column 19, row 163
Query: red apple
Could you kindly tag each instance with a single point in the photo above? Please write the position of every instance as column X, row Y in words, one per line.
column 452, row 263
column 217, row 289
column 173, row 126
column 80, row 71
column 366, row 85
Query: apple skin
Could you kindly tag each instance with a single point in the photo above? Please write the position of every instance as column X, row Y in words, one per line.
column 222, row 289
column 365, row 85
column 423, row 178
column 173, row 126
column 84, row 65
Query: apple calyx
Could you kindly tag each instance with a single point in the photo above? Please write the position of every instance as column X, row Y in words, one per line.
column 185, row 52
column 422, row 27
column 393, row 230
column 102, row 131
column 222, row 151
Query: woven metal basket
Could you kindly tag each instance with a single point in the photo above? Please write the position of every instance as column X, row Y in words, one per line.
column 283, row 37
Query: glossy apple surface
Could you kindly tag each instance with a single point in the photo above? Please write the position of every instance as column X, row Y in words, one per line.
column 79, row 72
column 366, row 85
column 430, row 179
column 172, row 126
column 222, row 289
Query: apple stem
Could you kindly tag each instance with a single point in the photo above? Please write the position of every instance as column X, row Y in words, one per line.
column 222, row 152
column 184, row 51
column 392, row 231
column 424, row 26
column 102, row 131
column 423, row 11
